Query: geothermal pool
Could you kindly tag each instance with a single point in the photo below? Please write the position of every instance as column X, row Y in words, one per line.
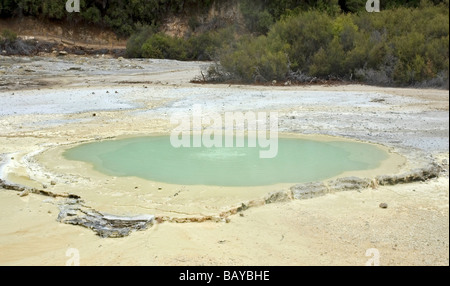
column 154, row 158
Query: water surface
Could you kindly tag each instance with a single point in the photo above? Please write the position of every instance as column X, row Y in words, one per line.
column 298, row 161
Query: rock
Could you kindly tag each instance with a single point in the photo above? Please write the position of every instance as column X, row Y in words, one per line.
column 74, row 212
column 384, row 205
column 120, row 59
column 431, row 171
column 242, row 208
column 309, row 190
column 24, row 193
column 280, row 196
column 53, row 183
column 12, row 187
column 62, row 53
column 349, row 184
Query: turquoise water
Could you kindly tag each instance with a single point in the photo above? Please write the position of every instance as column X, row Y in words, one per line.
column 298, row 161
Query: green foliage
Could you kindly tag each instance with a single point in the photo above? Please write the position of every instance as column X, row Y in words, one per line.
column 147, row 42
column 401, row 46
column 135, row 42
column 161, row 46
column 122, row 16
column 92, row 15
column 205, row 46
column 406, row 44
column 257, row 19
column 8, row 36
column 302, row 36
column 355, row 5
column 51, row 9
column 257, row 60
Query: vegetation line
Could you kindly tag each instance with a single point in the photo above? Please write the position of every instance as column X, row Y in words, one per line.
column 289, row 41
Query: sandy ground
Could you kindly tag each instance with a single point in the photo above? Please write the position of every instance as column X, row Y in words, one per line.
column 47, row 105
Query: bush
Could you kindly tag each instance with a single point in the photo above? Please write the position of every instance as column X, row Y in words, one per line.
column 204, row 47
column 8, row 36
column 255, row 61
column 302, row 36
column 137, row 40
column 92, row 15
column 402, row 46
column 148, row 43
column 161, row 46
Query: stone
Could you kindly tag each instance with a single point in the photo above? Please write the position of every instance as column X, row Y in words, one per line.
column 309, row 190
column 430, row 171
column 24, row 193
column 384, row 205
column 349, row 184
column 73, row 211
column 242, row 208
column 53, row 183
column 275, row 197
column 63, row 53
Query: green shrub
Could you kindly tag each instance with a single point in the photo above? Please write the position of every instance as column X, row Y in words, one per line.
column 201, row 47
column 137, row 40
column 302, row 36
column 402, row 46
column 8, row 36
column 204, row 47
column 92, row 15
column 255, row 61
column 161, row 46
